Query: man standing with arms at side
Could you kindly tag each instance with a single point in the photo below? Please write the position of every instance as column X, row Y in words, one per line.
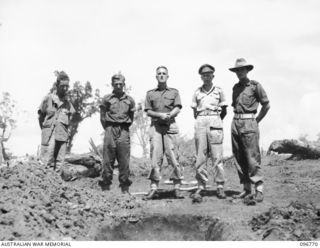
column 163, row 104
column 116, row 116
column 55, row 113
column 246, row 96
column 209, row 108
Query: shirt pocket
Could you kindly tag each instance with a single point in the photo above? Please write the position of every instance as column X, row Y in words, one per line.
column 64, row 117
column 214, row 99
column 216, row 95
column 169, row 101
column 154, row 101
column 113, row 105
column 126, row 106
column 246, row 98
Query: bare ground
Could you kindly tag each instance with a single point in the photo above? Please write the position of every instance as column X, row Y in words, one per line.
column 36, row 204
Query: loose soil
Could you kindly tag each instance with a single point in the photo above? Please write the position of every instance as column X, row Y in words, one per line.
column 36, row 204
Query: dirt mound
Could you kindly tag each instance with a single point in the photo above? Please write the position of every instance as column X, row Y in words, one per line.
column 36, row 204
column 298, row 221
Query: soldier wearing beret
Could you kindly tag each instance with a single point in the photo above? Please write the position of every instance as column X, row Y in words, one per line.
column 209, row 108
column 55, row 113
column 163, row 104
column 116, row 116
column 246, row 96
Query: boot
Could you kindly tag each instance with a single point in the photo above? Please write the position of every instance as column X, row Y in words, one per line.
column 221, row 194
column 125, row 190
column 152, row 194
column 104, row 186
column 178, row 194
column 258, row 196
column 197, row 197
column 243, row 194
column 246, row 191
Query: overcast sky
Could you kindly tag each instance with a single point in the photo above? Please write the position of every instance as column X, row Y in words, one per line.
column 92, row 40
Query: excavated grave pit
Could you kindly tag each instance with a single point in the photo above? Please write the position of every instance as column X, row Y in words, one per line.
column 167, row 228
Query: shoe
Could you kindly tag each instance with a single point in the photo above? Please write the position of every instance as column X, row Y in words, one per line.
column 221, row 194
column 197, row 197
column 243, row 194
column 125, row 190
column 151, row 195
column 258, row 196
column 178, row 194
column 104, row 186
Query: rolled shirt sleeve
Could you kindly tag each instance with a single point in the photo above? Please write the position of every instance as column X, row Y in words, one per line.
column 194, row 101
column 132, row 105
column 177, row 100
column 261, row 94
column 147, row 103
column 223, row 101
column 43, row 106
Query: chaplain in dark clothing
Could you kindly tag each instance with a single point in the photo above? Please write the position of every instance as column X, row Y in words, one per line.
column 116, row 116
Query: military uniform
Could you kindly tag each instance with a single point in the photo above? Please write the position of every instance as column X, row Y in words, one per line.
column 209, row 133
column 118, row 117
column 245, row 130
column 56, row 115
column 163, row 133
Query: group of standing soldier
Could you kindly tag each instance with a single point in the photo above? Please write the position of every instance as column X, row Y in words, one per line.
column 163, row 104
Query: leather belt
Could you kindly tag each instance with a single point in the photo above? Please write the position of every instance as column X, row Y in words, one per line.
column 244, row 116
column 207, row 112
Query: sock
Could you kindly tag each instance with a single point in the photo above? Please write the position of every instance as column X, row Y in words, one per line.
column 259, row 187
column 154, row 185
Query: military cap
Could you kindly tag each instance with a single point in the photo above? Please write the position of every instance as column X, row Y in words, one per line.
column 206, row 68
column 240, row 63
column 118, row 76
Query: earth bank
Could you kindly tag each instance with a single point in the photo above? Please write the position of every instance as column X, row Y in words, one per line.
column 36, row 204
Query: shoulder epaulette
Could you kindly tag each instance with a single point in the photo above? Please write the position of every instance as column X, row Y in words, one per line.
column 107, row 97
column 151, row 90
column 130, row 97
column 172, row 88
column 198, row 89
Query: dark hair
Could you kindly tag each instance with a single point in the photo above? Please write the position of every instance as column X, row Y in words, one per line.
column 61, row 76
column 163, row 67
column 118, row 76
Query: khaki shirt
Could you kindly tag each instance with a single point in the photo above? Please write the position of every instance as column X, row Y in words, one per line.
column 214, row 99
column 118, row 110
column 211, row 100
column 57, row 115
column 162, row 101
column 246, row 97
